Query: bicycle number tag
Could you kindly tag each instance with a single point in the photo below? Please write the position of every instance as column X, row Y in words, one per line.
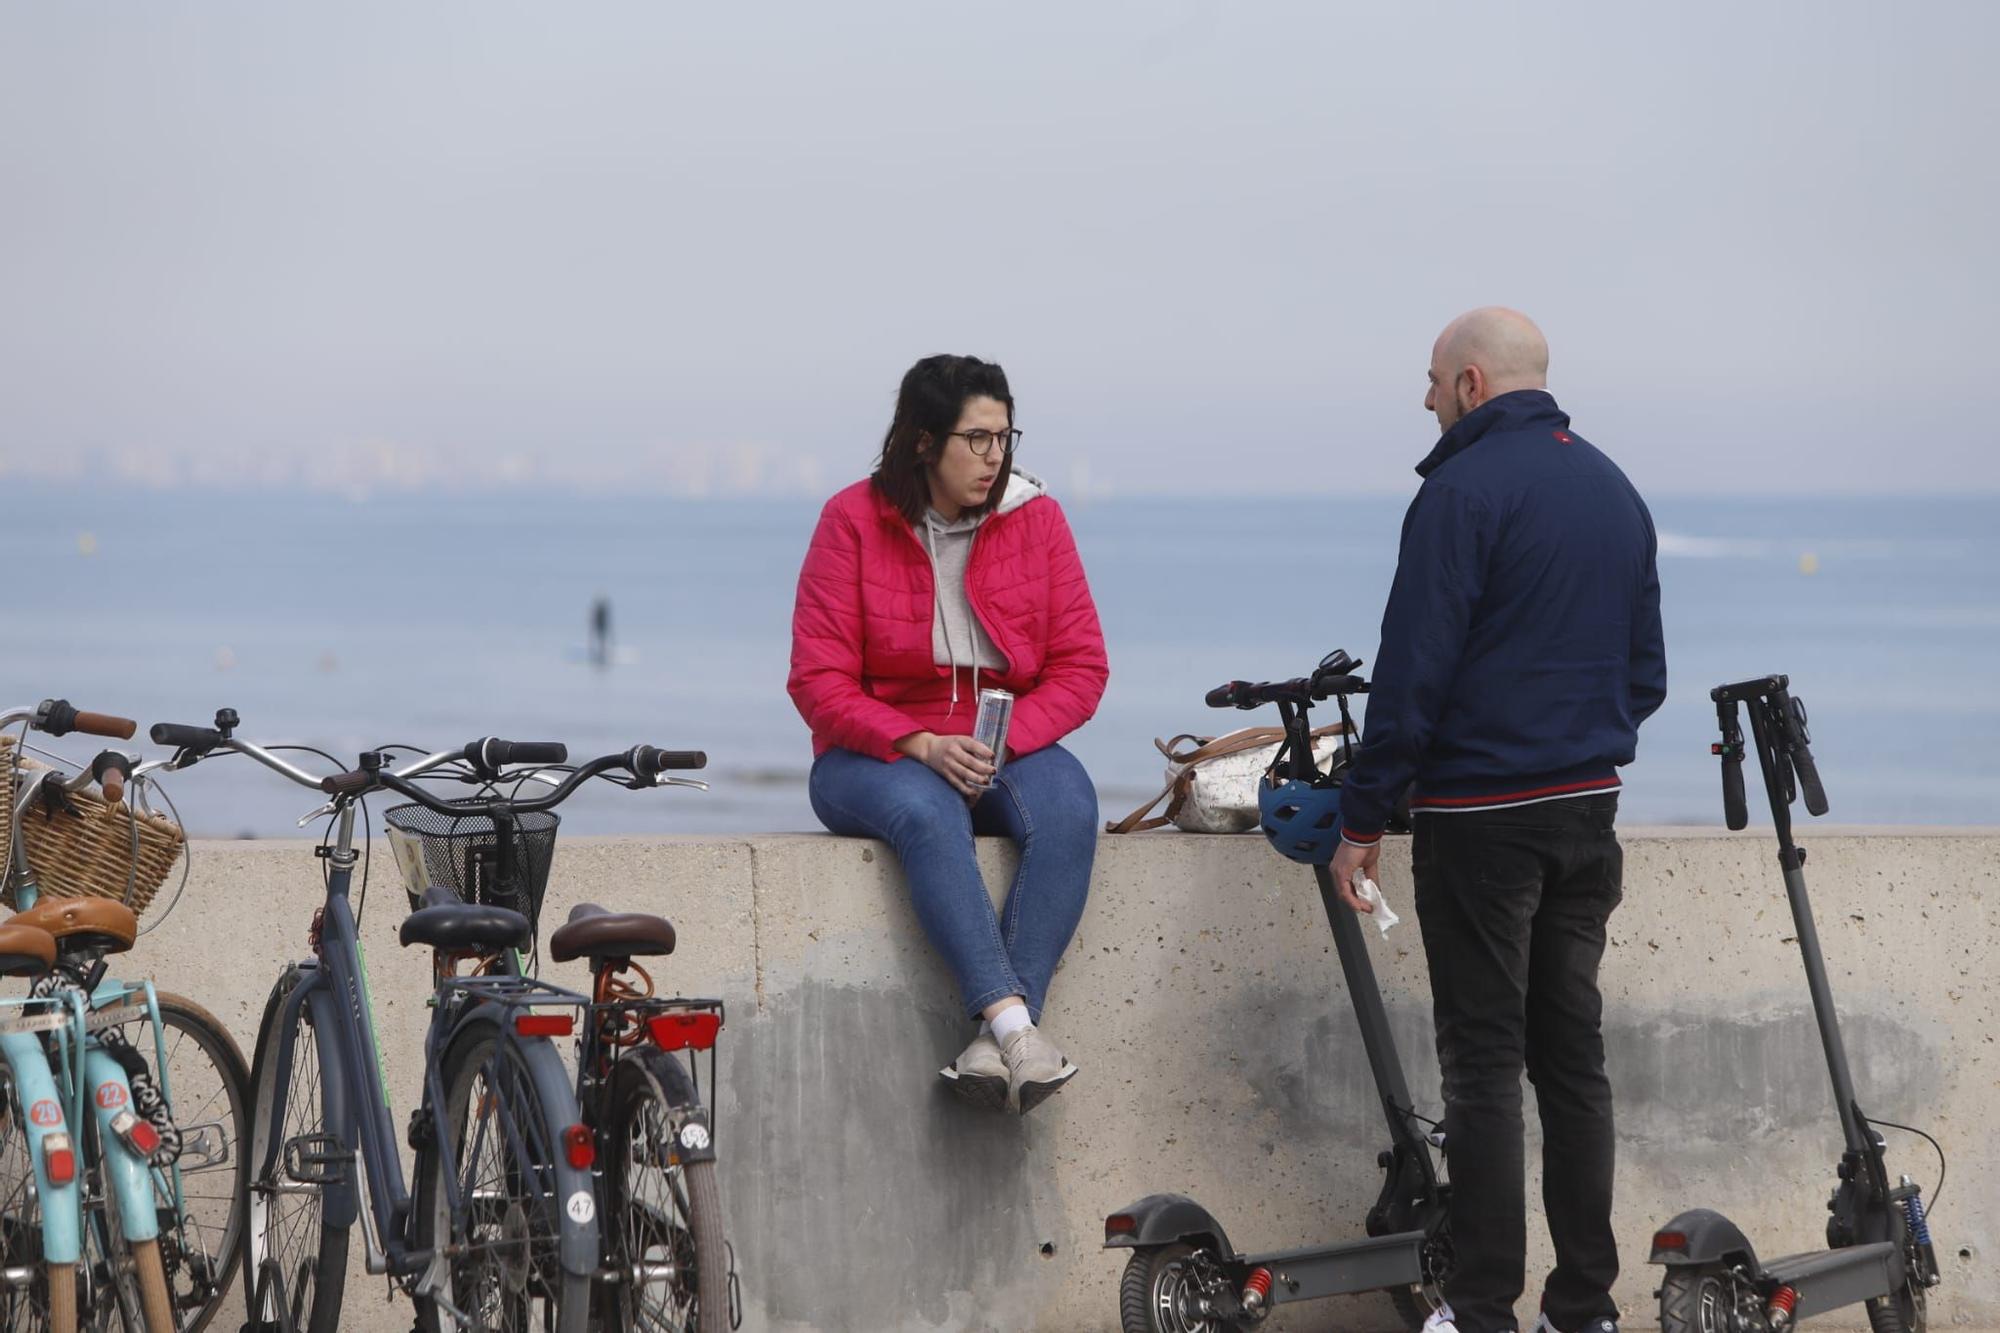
column 580, row 1207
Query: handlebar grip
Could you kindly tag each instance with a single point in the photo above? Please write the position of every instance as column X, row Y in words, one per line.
column 649, row 762
column 1809, row 786
column 185, row 737
column 104, row 724
column 1735, row 812
column 111, row 771
column 491, row 752
column 1224, row 696
column 347, row 784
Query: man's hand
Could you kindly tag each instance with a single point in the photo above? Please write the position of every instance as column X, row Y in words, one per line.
column 1351, row 865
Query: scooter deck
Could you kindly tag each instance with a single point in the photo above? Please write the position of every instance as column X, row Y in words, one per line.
column 1830, row 1279
column 1369, row 1264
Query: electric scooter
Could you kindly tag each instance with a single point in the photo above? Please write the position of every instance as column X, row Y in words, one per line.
column 1183, row 1276
column 1878, row 1240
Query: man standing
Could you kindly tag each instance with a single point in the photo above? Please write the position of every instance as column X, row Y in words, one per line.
column 1521, row 649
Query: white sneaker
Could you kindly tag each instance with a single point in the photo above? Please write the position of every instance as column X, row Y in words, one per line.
column 1440, row 1321
column 979, row 1075
column 1036, row 1070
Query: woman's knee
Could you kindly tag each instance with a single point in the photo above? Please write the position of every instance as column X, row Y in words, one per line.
column 1057, row 794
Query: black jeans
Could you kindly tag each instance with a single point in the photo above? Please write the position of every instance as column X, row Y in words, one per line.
column 1513, row 905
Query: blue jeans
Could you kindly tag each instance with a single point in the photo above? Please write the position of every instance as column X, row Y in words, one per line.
column 1043, row 801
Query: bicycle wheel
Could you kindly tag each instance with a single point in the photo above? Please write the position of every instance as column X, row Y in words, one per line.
column 294, row 1264
column 663, row 1216
column 201, row 1241
column 124, row 1287
column 43, row 1299
column 505, row 1272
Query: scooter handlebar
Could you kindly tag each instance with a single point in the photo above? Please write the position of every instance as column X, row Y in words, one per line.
column 1735, row 811
column 1809, row 784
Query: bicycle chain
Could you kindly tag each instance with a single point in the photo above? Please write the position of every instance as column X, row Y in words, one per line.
column 146, row 1098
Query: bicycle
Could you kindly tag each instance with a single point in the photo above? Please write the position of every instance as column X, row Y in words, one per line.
column 125, row 1232
column 668, row 1265
column 501, row 1229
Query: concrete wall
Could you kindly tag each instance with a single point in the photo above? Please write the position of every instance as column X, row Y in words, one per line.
column 1203, row 1002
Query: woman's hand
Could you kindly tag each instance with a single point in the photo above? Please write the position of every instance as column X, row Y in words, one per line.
column 960, row 760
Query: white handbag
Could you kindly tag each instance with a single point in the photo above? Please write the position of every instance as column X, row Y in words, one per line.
column 1212, row 781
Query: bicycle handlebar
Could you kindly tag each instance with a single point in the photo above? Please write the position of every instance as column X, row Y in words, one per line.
column 491, row 754
column 184, row 737
column 363, row 780
column 58, row 717
column 648, row 762
column 111, row 771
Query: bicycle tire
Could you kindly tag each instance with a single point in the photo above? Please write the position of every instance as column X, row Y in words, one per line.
column 510, row 1254
column 210, row 1086
column 673, row 1207
column 312, row 1250
column 51, row 1306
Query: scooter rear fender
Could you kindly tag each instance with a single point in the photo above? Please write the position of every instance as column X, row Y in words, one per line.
column 1165, row 1219
column 1706, row 1237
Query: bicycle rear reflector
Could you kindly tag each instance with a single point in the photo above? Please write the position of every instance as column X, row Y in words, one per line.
column 580, row 1147
column 545, row 1025
column 681, row 1032
column 138, row 1135
column 58, row 1159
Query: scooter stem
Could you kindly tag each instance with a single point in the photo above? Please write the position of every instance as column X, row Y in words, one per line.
column 1792, row 859
column 1370, row 1013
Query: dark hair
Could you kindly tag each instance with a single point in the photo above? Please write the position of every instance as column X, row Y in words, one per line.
column 928, row 405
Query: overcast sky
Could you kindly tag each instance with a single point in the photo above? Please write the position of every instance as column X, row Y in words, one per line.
column 1210, row 244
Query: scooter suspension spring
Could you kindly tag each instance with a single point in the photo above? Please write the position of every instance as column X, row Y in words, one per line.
column 1920, row 1226
column 1779, row 1312
column 1257, row 1291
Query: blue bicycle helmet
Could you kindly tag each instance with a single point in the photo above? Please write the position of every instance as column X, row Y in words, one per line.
column 1301, row 819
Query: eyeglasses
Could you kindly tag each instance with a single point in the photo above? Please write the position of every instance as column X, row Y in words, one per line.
column 981, row 442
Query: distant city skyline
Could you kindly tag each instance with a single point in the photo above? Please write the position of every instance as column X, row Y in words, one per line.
column 379, row 249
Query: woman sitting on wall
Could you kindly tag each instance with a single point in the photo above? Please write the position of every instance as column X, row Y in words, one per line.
column 946, row 572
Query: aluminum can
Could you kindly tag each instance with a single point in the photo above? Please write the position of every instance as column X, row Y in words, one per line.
column 996, row 710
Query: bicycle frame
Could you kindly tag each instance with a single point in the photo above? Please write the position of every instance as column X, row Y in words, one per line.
column 357, row 1109
column 79, row 1067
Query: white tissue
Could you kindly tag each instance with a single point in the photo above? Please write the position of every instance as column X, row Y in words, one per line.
column 1372, row 893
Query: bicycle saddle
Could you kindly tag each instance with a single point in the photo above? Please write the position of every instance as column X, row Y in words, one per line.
column 25, row 951
column 82, row 923
column 591, row 932
column 445, row 922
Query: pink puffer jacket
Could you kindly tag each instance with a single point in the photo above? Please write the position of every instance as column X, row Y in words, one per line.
column 863, row 675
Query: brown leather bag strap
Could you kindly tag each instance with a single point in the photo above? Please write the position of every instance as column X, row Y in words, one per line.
column 1136, row 822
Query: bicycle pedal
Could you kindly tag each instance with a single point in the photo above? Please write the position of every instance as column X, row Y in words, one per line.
column 317, row 1159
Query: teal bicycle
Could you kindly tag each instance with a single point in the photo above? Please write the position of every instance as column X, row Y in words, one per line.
column 121, row 1107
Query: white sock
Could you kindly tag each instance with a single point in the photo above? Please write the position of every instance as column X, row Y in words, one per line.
column 1009, row 1021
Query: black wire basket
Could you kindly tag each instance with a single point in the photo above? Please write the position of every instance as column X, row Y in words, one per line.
column 462, row 852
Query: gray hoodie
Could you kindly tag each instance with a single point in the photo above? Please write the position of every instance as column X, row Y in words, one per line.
column 957, row 637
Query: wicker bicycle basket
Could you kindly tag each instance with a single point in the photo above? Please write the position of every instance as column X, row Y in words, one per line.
column 7, row 756
column 88, row 849
column 460, row 851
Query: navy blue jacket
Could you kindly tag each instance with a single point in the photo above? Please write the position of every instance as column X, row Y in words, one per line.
column 1521, row 647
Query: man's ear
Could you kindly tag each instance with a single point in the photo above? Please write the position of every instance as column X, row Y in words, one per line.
column 1474, row 391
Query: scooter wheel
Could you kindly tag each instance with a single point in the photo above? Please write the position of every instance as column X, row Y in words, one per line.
column 1410, row 1306
column 1162, row 1292
column 1705, row 1298
column 1899, row 1312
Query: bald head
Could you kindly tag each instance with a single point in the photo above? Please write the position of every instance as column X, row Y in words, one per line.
column 1481, row 355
